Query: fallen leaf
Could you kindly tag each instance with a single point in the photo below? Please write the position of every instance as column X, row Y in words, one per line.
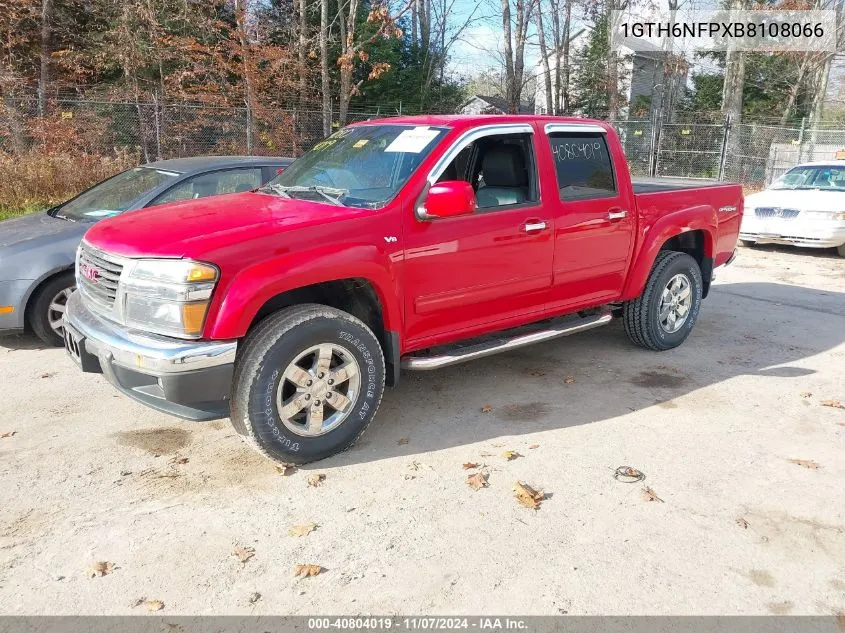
column 533, row 446
column 179, row 460
column 153, row 605
column 806, row 463
column 568, row 379
column 832, row 403
column 8, row 434
column 254, row 597
column 402, row 441
column 470, row 465
column 742, row 523
column 538, row 372
column 806, row 394
column 302, row 530
column 286, row 469
column 650, row 495
column 477, row 481
column 486, row 408
column 49, row 374
column 316, row 480
column 628, row 475
column 100, row 568
column 304, row 571
column 510, row 455
column 137, row 603
column 414, row 465
column 243, row 553
column 527, row 496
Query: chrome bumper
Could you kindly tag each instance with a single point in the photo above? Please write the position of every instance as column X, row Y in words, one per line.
column 188, row 379
column 141, row 351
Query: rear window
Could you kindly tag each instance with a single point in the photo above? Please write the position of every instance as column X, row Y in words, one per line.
column 583, row 166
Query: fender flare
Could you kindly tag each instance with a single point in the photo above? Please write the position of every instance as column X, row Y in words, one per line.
column 699, row 218
column 251, row 288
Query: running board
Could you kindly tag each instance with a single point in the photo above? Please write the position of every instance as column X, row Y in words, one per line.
column 455, row 355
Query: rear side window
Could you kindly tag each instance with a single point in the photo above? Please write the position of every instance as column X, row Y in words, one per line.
column 583, row 166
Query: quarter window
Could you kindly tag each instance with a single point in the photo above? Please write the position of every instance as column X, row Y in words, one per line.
column 583, row 166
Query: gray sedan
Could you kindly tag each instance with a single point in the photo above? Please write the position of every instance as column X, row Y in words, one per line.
column 37, row 251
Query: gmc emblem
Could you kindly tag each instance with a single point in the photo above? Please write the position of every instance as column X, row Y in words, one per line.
column 90, row 273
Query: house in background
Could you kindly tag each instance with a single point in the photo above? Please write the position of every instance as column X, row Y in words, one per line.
column 484, row 104
column 640, row 77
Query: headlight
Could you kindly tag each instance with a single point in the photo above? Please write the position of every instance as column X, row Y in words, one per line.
column 168, row 296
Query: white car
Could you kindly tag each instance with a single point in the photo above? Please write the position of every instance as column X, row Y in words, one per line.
column 805, row 207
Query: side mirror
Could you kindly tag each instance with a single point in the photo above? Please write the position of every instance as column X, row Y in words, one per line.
column 449, row 199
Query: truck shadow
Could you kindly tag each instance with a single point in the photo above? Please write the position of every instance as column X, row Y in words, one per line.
column 745, row 329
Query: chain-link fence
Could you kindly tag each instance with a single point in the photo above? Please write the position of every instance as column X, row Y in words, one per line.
column 749, row 153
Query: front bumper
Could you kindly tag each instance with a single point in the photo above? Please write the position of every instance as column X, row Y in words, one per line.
column 817, row 234
column 13, row 293
column 188, row 379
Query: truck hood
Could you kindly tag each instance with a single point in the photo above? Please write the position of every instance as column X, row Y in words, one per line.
column 801, row 199
column 35, row 228
column 198, row 228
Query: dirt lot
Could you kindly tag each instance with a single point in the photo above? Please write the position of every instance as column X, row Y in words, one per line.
column 741, row 529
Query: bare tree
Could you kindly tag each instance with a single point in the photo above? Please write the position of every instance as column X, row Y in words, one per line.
column 325, row 80
column 544, row 61
column 515, row 36
column 734, row 76
column 46, row 40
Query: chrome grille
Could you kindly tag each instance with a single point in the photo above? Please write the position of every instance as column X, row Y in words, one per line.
column 97, row 275
column 775, row 212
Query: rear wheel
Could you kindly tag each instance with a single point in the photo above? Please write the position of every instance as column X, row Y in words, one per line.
column 664, row 315
column 307, row 384
column 47, row 308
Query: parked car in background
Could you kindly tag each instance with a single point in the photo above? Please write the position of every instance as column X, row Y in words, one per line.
column 804, row 207
column 37, row 251
column 414, row 242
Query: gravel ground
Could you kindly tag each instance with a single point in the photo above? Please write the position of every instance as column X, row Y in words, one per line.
column 738, row 527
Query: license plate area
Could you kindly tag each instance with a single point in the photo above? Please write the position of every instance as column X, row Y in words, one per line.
column 75, row 347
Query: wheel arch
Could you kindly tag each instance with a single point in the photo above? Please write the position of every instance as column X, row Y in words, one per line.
column 691, row 231
column 36, row 287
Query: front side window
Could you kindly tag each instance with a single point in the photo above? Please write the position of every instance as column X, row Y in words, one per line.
column 583, row 165
column 212, row 184
column 115, row 195
column 500, row 168
column 815, row 177
column 359, row 166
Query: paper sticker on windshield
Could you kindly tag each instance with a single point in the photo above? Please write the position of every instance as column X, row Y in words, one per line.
column 104, row 213
column 412, row 141
column 361, row 143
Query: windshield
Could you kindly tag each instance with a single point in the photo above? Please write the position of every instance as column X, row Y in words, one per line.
column 360, row 166
column 114, row 195
column 818, row 177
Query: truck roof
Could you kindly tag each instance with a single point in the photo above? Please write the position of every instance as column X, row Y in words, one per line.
column 471, row 120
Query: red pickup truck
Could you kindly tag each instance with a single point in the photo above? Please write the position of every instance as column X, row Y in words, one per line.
column 414, row 243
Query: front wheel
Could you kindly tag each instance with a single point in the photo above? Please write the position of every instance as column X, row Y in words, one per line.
column 663, row 316
column 47, row 308
column 307, row 383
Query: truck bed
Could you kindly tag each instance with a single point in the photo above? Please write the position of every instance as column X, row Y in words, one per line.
column 657, row 185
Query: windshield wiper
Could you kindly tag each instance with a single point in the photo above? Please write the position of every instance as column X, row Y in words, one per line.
column 327, row 193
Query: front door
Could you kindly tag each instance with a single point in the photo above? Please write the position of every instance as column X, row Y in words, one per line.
column 495, row 265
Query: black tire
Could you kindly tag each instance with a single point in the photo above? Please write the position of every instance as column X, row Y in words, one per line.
column 39, row 312
column 641, row 315
column 266, row 353
column 748, row 243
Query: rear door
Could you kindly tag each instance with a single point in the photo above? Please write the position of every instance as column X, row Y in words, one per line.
column 494, row 266
column 593, row 213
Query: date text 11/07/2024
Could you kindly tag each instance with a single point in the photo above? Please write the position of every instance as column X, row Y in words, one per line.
column 419, row 623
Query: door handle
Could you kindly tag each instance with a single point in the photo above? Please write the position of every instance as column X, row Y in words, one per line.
column 616, row 214
column 533, row 227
